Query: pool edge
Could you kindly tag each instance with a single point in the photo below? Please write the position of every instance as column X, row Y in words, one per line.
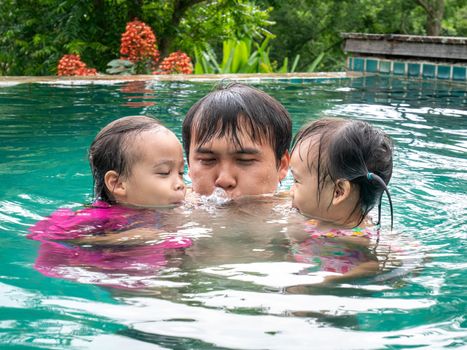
column 14, row 80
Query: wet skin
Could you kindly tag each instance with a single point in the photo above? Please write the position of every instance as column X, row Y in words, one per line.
column 246, row 169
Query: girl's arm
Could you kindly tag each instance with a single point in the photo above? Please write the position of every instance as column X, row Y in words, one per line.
column 365, row 269
column 134, row 236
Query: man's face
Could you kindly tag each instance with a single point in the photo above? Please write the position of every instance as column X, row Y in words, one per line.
column 246, row 169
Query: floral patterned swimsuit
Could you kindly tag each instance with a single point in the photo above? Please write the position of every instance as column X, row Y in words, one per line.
column 329, row 254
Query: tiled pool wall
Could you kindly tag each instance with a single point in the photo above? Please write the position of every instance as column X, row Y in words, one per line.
column 410, row 69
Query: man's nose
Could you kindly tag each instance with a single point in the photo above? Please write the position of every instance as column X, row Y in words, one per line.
column 226, row 178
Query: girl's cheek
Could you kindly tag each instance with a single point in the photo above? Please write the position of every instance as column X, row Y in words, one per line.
column 295, row 202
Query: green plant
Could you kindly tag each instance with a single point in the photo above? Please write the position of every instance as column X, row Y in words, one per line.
column 122, row 67
column 315, row 63
column 238, row 56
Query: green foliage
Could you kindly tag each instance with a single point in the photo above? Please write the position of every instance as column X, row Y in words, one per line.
column 239, row 57
column 315, row 63
column 34, row 34
column 455, row 19
column 317, row 25
column 121, row 67
column 214, row 22
column 41, row 31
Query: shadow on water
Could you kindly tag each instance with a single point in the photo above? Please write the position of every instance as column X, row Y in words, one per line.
column 168, row 342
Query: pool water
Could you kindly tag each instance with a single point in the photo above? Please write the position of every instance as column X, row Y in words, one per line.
column 240, row 288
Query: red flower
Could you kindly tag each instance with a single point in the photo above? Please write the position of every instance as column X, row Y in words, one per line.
column 139, row 43
column 176, row 63
column 72, row 65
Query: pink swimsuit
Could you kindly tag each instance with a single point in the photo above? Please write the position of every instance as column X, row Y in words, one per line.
column 65, row 224
column 120, row 266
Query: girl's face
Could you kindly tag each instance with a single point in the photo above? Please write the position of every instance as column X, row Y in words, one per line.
column 156, row 178
column 305, row 195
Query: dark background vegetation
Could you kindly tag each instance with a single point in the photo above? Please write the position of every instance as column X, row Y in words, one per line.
column 35, row 34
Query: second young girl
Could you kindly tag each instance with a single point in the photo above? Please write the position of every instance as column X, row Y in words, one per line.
column 341, row 169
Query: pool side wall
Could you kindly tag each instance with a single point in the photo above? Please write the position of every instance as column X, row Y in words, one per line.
column 439, row 58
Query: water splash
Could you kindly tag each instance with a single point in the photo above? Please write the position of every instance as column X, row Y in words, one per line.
column 217, row 198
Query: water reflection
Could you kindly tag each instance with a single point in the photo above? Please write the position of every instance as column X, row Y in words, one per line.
column 240, row 285
column 137, row 94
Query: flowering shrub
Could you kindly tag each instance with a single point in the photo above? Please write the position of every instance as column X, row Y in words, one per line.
column 138, row 44
column 72, row 65
column 176, row 63
column 139, row 54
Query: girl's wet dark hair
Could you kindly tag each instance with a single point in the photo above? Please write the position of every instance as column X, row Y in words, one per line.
column 352, row 150
column 236, row 108
column 110, row 150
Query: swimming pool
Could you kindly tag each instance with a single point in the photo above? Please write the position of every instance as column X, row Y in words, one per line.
column 237, row 293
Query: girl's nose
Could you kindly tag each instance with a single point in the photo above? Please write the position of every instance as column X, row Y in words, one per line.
column 179, row 185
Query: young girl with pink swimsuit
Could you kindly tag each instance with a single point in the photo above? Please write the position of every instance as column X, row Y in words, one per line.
column 137, row 165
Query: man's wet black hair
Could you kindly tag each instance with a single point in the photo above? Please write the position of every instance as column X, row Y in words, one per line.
column 235, row 108
column 110, row 150
column 352, row 150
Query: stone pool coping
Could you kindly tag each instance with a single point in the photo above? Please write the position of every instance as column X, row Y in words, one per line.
column 11, row 80
column 409, row 56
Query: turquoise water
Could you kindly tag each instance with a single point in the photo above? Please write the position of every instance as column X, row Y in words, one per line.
column 240, row 289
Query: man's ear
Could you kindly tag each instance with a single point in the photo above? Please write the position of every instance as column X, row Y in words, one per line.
column 284, row 165
column 342, row 190
column 115, row 184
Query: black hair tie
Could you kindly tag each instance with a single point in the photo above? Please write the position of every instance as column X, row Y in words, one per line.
column 371, row 176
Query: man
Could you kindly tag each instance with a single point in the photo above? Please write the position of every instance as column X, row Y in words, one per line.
column 236, row 138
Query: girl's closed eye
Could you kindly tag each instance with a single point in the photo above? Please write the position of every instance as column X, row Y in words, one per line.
column 162, row 170
column 294, row 177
